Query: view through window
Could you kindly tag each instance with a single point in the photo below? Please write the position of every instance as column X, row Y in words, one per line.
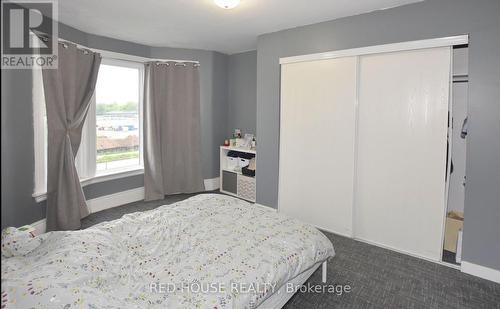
column 117, row 118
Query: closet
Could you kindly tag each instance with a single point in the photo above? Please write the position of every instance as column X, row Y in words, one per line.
column 457, row 137
column 363, row 143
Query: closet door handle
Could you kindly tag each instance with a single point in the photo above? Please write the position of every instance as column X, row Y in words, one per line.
column 465, row 128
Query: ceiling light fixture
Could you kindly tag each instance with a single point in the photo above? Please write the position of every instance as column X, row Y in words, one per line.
column 227, row 4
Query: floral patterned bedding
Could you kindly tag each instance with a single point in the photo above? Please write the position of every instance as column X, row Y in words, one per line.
column 209, row 251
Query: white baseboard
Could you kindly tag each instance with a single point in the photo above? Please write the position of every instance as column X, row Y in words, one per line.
column 101, row 203
column 212, row 184
column 117, row 199
column 481, row 271
column 40, row 227
column 266, row 207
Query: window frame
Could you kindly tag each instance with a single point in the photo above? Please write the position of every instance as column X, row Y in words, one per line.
column 40, row 132
column 85, row 161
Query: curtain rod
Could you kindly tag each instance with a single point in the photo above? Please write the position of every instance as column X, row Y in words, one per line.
column 44, row 36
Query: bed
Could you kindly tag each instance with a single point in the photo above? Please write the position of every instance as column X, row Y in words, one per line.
column 209, row 251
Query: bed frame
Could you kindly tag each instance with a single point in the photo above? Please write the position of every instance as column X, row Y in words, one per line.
column 281, row 297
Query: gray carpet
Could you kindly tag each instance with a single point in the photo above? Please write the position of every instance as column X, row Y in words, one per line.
column 378, row 278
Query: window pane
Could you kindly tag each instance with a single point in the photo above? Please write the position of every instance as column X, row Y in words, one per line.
column 117, row 118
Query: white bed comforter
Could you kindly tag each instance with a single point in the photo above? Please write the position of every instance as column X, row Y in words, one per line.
column 232, row 251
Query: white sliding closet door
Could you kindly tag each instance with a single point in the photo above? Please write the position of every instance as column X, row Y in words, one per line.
column 317, row 142
column 400, row 181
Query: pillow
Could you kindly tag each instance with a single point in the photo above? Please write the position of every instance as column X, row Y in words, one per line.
column 18, row 241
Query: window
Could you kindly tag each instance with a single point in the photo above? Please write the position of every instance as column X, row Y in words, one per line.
column 117, row 113
column 112, row 133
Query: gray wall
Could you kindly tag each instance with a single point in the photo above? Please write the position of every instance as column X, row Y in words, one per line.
column 242, row 92
column 424, row 20
column 18, row 207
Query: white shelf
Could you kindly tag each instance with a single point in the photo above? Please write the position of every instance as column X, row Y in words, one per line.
column 232, row 171
column 236, row 195
column 236, row 172
column 242, row 185
column 229, row 148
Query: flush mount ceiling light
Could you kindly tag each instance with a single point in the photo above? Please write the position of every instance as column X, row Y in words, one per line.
column 227, row 4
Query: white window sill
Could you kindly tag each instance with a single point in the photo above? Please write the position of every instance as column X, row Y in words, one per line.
column 101, row 177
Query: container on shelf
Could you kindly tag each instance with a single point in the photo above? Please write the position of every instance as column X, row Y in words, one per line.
column 232, row 163
column 248, row 172
column 242, row 162
column 246, row 187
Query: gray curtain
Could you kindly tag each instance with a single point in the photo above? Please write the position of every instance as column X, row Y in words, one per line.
column 68, row 91
column 172, row 143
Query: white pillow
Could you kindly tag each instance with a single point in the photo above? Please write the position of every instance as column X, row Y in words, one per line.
column 18, row 242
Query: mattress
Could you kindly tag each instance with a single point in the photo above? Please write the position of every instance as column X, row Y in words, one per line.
column 209, row 251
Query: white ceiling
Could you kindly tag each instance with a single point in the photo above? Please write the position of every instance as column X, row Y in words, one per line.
column 201, row 24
